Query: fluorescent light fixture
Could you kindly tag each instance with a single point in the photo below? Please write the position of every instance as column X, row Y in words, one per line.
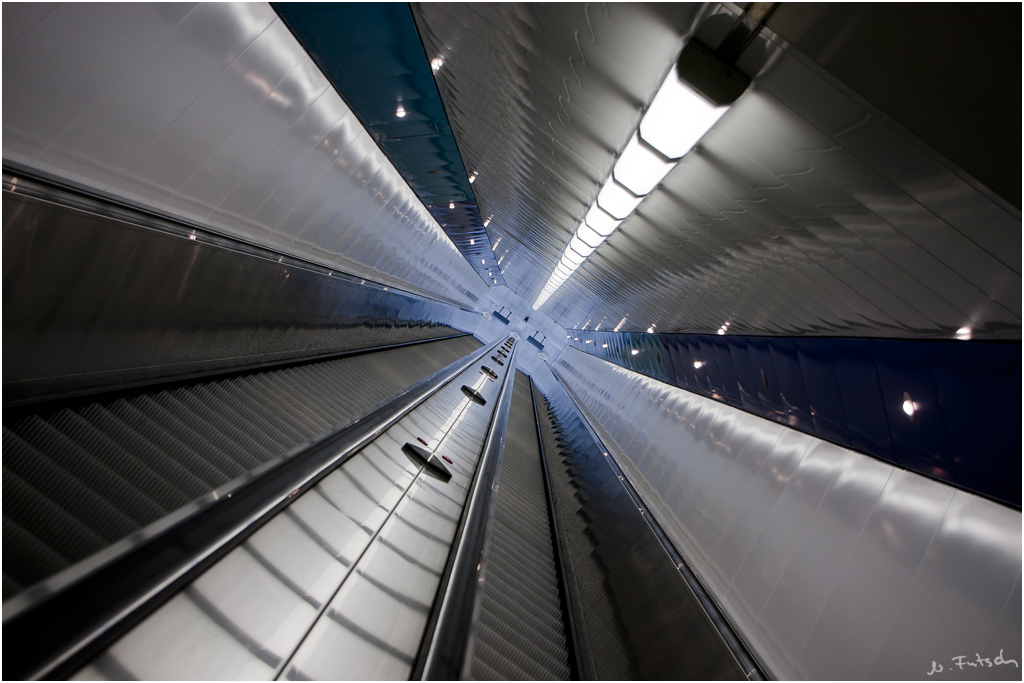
column 640, row 168
column 589, row 236
column 678, row 118
column 580, row 247
column 600, row 221
column 674, row 123
column 572, row 257
column 617, row 200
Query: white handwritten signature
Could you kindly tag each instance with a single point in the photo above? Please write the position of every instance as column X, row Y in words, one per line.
column 961, row 661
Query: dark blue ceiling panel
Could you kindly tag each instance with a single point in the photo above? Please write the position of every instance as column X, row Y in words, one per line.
column 372, row 54
column 963, row 429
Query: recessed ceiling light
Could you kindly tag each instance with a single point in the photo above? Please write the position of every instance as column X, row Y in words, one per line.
column 964, row 333
column 698, row 364
column 400, row 113
column 604, row 346
column 472, row 241
column 634, row 351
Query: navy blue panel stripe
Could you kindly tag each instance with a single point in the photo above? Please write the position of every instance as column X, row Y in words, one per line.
column 372, row 54
column 966, row 428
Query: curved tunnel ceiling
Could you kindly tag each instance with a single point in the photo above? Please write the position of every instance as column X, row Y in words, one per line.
column 804, row 211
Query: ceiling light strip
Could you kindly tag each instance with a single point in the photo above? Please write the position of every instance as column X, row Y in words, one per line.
column 674, row 123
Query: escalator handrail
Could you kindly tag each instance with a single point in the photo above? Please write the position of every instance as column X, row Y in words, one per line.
column 447, row 634
column 737, row 647
column 57, row 626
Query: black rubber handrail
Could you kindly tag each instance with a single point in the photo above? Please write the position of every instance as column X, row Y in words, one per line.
column 55, row 627
column 448, row 630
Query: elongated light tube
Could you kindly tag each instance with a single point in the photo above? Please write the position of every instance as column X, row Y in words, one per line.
column 674, row 123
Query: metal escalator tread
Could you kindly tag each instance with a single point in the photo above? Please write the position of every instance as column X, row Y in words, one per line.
column 79, row 479
column 604, row 651
column 520, row 633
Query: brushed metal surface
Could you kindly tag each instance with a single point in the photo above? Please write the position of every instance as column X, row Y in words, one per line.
column 83, row 477
column 214, row 114
column 852, row 391
column 94, row 302
column 830, row 564
column 519, row 631
column 634, row 615
column 353, row 566
column 804, row 211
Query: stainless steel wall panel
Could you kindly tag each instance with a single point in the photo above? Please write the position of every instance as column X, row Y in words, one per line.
column 92, row 301
column 633, row 614
column 830, row 564
column 851, row 392
column 961, row 544
column 876, row 578
column 22, row 18
column 214, row 114
column 813, row 572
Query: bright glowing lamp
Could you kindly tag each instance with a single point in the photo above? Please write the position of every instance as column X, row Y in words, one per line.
column 678, row 118
column 600, row 221
column 589, row 236
column 580, row 247
column 640, row 168
column 617, row 200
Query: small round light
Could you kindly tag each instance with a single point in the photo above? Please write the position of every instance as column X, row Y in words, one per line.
column 436, row 63
column 698, row 364
column 634, row 351
column 963, row 334
column 604, row 346
column 650, row 330
column 400, row 113
column 908, row 406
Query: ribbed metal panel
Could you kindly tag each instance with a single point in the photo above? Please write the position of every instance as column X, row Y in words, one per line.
column 520, row 632
column 81, row 478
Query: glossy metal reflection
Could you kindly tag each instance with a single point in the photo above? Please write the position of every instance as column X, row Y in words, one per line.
column 829, row 563
column 98, row 296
